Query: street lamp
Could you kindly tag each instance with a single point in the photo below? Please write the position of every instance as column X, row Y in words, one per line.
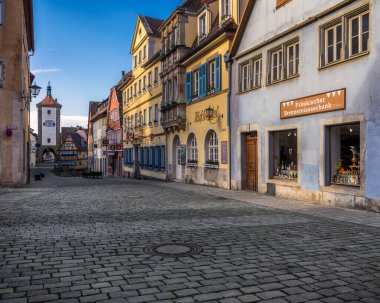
column 209, row 113
column 212, row 114
column 35, row 90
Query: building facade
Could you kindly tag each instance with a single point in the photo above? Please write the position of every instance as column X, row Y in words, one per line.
column 114, row 133
column 72, row 155
column 97, row 137
column 305, row 101
column 144, row 138
column 33, row 148
column 49, row 127
column 16, row 41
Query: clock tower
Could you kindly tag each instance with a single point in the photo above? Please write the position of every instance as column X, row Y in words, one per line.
column 49, row 126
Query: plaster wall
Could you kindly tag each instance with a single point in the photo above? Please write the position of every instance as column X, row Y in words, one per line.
column 260, row 109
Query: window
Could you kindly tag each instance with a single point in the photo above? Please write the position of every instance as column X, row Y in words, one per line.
column 144, row 118
column 346, row 38
column 124, row 97
column 283, row 152
column 212, row 77
column 175, row 89
column 135, row 61
column 245, row 76
column 256, row 72
column 292, row 59
column 140, row 86
column 193, row 149
column 144, row 53
column 135, row 89
column 49, row 111
column 212, row 148
column 136, row 120
column 150, row 80
column 196, row 84
column 276, row 66
column 344, row 154
column 155, row 75
column 140, row 57
column 226, row 9
column 150, row 116
column 284, row 62
column 334, row 43
column 358, row 34
column 156, row 113
column 48, row 140
column 2, row 68
column 202, row 26
column 144, row 83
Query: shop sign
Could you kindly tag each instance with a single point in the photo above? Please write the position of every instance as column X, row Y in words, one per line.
column 200, row 116
column 316, row 104
column 224, row 152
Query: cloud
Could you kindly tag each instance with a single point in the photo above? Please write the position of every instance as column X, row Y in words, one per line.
column 47, row 70
column 66, row 121
column 53, row 49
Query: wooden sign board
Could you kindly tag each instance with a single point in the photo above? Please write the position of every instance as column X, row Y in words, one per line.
column 316, row 104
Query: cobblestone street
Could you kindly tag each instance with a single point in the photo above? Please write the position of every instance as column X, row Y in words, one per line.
column 78, row 240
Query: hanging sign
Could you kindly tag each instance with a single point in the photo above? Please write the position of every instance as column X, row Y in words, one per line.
column 316, row 104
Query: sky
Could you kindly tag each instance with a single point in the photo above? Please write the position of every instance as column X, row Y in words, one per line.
column 82, row 46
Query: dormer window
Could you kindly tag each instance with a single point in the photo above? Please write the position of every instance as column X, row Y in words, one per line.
column 203, row 25
column 225, row 9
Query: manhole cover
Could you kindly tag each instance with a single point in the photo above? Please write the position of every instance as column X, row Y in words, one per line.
column 173, row 250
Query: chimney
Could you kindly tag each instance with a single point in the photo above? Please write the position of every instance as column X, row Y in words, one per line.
column 122, row 73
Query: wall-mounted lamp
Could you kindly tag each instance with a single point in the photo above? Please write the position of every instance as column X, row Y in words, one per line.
column 212, row 114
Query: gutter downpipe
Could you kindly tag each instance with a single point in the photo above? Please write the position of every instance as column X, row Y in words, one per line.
column 228, row 62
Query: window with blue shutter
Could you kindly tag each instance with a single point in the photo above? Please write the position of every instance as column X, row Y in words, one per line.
column 203, row 81
column 125, row 156
column 158, row 148
column 218, row 71
column 146, row 156
column 188, row 87
column 163, row 159
column 141, row 156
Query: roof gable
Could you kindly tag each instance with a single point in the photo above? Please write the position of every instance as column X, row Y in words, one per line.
column 145, row 27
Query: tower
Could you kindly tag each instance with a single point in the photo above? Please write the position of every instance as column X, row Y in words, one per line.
column 49, row 126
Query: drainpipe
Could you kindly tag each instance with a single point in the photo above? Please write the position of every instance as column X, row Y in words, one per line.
column 228, row 62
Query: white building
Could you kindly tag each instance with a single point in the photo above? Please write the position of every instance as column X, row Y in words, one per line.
column 33, row 148
column 305, row 103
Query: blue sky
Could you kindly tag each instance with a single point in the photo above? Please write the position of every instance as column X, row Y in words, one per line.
column 83, row 45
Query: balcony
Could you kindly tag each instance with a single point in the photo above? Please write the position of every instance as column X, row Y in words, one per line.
column 174, row 116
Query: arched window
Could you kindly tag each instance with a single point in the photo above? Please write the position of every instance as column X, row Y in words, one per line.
column 193, row 149
column 212, row 148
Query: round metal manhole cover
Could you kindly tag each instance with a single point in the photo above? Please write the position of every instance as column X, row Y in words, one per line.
column 173, row 250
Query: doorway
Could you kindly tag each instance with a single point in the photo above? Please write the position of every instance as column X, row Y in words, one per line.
column 177, row 159
column 251, row 161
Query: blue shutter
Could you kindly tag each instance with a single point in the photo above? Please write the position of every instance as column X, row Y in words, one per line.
column 188, row 87
column 218, row 72
column 163, row 157
column 125, row 156
column 141, row 156
column 159, row 157
column 203, row 81
column 146, row 156
column 153, row 158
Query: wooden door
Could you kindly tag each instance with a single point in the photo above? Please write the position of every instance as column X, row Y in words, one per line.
column 252, row 163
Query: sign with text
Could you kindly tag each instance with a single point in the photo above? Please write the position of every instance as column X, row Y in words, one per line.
column 224, row 152
column 316, row 104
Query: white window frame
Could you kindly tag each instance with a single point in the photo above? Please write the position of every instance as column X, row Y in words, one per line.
column 279, row 67
column 245, row 76
column 225, row 9
column 150, row 115
column 213, row 147
column 196, row 83
column 156, row 76
column 257, row 72
column 193, row 149
column 334, row 45
column 360, row 33
column 203, row 25
column 294, row 64
column 156, row 113
column 149, row 79
column 212, row 75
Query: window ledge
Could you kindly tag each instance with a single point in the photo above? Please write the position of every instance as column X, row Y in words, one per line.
column 192, row 164
column 284, row 182
column 345, row 60
column 249, row 90
column 343, row 189
column 283, row 80
column 211, row 166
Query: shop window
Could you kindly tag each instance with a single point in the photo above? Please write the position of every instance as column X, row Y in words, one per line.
column 212, row 148
column 192, row 149
column 283, row 155
column 344, row 152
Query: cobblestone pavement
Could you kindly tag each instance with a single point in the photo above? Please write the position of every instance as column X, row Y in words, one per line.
column 85, row 241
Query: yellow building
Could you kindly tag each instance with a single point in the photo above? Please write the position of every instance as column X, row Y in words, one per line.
column 195, row 112
column 143, row 136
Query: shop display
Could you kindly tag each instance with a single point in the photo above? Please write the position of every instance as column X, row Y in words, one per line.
column 287, row 171
column 348, row 175
column 285, row 154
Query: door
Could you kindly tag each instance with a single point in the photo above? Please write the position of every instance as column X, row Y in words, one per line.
column 178, row 163
column 252, row 163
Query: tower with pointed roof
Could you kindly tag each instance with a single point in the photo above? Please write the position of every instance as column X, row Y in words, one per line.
column 49, row 126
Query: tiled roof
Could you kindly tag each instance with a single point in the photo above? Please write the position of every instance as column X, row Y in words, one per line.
column 49, row 101
column 152, row 25
column 193, row 4
column 78, row 141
